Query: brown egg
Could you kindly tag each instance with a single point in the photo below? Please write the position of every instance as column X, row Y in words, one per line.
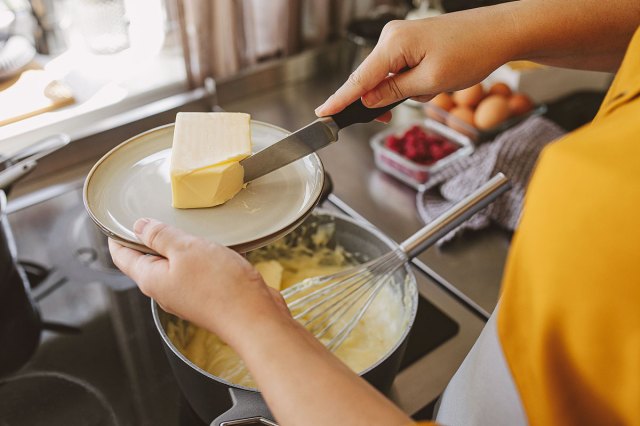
column 464, row 115
column 500, row 89
column 492, row 111
column 469, row 97
column 520, row 104
column 442, row 101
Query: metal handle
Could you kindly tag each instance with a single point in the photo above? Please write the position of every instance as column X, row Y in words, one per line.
column 16, row 172
column 24, row 161
column 462, row 211
column 248, row 409
column 39, row 149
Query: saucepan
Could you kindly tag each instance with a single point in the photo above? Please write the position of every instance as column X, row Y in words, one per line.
column 206, row 392
column 215, row 399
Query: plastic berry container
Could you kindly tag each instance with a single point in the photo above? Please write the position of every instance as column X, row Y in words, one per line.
column 414, row 173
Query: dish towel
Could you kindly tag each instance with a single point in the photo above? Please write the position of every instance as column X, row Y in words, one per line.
column 514, row 153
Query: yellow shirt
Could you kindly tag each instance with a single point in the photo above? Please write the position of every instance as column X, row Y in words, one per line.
column 569, row 316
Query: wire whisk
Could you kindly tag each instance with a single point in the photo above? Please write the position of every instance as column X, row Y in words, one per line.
column 331, row 306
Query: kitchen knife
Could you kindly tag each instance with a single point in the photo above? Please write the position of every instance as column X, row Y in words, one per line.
column 309, row 139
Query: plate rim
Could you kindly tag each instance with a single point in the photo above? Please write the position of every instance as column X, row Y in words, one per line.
column 241, row 247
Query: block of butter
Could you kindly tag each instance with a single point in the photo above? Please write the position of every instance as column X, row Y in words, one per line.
column 207, row 147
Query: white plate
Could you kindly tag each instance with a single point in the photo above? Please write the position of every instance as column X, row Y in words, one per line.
column 132, row 181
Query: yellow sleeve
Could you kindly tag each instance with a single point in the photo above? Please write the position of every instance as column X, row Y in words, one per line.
column 569, row 318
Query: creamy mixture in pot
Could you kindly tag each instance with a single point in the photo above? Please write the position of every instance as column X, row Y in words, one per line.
column 283, row 266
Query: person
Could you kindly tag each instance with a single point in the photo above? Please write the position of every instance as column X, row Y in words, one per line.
column 563, row 346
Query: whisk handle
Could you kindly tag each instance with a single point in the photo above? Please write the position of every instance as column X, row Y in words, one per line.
column 453, row 217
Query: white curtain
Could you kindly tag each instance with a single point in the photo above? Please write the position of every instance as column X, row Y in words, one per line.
column 221, row 37
column 213, row 38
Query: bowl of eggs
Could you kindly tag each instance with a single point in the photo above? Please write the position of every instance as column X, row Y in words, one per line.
column 481, row 113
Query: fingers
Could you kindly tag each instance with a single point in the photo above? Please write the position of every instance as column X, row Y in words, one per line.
column 367, row 76
column 422, row 98
column 140, row 267
column 160, row 237
column 385, row 118
column 394, row 88
column 123, row 257
column 395, row 51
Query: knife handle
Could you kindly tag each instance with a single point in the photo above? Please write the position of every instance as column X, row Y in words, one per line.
column 358, row 113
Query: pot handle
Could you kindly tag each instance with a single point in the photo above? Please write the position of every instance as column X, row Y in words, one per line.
column 248, row 409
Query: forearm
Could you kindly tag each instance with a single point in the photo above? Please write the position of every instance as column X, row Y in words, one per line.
column 584, row 34
column 453, row 51
column 303, row 383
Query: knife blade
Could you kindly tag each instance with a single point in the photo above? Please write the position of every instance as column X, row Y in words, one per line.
column 308, row 139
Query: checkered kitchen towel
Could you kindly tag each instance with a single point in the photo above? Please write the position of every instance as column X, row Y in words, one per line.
column 513, row 153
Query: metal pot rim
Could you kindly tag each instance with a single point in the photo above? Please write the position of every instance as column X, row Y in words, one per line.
column 318, row 211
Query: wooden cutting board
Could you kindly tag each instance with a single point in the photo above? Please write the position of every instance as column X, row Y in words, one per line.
column 32, row 92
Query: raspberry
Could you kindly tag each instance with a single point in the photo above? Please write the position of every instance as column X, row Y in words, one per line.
column 420, row 146
column 413, row 152
column 448, row 148
column 395, row 144
column 415, row 130
column 436, row 152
